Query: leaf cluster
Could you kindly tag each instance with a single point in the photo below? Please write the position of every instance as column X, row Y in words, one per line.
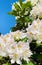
column 37, row 52
column 22, row 14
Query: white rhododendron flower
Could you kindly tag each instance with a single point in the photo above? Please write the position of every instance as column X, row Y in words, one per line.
column 40, row 1
column 18, row 35
column 15, row 50
column 33, row 2
column 35, row 30
column 18, row 51
column 37, row 11
column 3, row 46
column 25, row 51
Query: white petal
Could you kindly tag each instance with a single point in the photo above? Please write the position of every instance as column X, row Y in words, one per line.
column 18, row 62
column 12, row 61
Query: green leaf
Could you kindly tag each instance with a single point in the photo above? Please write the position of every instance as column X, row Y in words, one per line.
column 35, row 48
column 30, row 63
column 33, row 45
column 6, row 64
column 38, row 49
column 17, row 7
column 24, row 39
column 23, row 6
column 28, row 4
column 37, row 58
column 24, row 62
column 1, row 57
column 13, row 13
column 20, row 1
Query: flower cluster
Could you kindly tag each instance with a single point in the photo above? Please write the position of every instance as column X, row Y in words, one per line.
column 15, row 50
column 33, row 2
column 37, row 10
column 12, row 44
column 16, row 45
column 35, row 30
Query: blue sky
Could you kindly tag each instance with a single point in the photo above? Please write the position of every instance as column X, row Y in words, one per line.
column 6, row 21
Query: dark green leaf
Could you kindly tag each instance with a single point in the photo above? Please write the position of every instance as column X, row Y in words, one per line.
column 23, row 61
column 13, row 13
column 26, row 63
column 37, row 58
column 33, row 45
